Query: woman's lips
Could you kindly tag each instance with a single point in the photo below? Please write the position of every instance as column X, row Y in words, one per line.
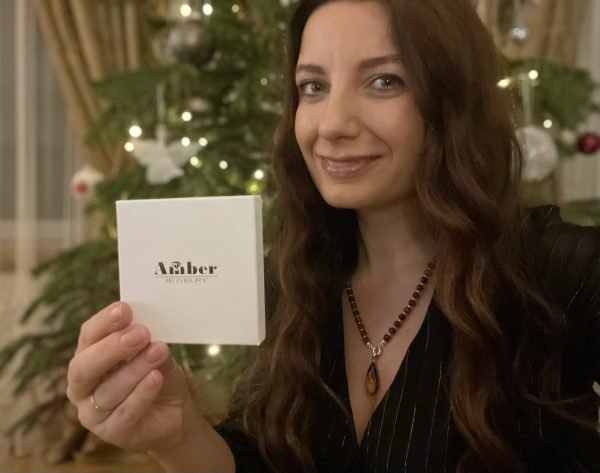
column 345, row 167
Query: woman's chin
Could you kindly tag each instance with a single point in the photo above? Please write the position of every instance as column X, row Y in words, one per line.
column 343, row 201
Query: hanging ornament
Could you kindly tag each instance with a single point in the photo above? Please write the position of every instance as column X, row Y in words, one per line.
column 539, row 151
column 84, row 182
column 163, row 160
column 519, row 32
column 190, row 41
column 588, row 143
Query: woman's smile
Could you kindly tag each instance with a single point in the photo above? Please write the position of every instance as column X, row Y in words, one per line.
column 346, row 167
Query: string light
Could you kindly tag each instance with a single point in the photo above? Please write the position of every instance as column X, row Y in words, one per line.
column 504, row 83
column 196, row 162
column 207, row 9
column 185, row 141
column 547, row 123
column 533, row 74
column 135, row 131
column 185, row 10
column 223, row 165
column 214, row 350
column 253, row 188
column 186, row 116
column 235, row 8
column 259, row 174
column 129, row 147
column 264, row 81
column 203, row 142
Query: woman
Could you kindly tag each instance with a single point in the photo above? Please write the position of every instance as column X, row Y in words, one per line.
column 426, row 322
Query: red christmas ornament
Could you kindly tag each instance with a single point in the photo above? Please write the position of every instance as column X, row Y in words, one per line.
column 81, row 188
column 588, row 143
column 84, row 182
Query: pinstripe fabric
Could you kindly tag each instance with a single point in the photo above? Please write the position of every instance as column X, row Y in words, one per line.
column 412, row 429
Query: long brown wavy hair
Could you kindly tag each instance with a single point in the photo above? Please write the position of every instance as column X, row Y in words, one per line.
column 468, row 182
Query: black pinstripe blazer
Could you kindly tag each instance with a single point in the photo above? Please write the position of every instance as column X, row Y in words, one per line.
column 412, row 429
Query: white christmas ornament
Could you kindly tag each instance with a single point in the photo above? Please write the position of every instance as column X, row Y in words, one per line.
column 540, row 153
column 161, row 160
column 84, row 181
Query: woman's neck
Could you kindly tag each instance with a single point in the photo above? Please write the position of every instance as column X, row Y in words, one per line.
column 394, row 240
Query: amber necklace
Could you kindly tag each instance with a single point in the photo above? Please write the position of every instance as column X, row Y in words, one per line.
column 372, row 378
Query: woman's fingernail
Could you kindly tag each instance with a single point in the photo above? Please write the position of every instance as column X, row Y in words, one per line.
column 115, row 313
column 155, row 352
column 133, row 336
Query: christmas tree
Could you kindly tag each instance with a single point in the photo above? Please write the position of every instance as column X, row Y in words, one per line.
column 196, row 119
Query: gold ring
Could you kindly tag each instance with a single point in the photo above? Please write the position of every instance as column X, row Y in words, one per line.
column 98, row 408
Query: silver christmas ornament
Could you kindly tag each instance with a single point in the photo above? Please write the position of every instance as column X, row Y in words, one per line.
column 539, row 151
column 519, row 34
column 189, row 41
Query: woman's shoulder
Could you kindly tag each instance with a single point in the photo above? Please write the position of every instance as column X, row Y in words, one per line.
column 558, row 247
column 566, row 261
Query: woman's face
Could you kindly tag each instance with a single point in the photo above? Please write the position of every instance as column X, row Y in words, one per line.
column 357, row 124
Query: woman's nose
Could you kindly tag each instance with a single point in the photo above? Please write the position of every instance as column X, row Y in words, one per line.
column 339, row 118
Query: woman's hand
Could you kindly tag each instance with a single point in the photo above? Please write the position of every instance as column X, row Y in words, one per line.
column 128, row 391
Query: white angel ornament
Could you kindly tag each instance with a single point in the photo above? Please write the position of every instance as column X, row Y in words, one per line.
column 162, row 160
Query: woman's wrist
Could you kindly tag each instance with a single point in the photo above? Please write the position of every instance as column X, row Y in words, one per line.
column 200, row 449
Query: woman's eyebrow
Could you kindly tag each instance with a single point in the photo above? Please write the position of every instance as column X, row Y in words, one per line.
column 368, row 63
column 311, row 68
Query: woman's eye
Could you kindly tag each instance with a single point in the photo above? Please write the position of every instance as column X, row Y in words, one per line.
column 387, row 82
column 310, row 88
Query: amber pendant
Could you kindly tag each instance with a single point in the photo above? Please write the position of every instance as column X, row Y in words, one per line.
column 372, row 379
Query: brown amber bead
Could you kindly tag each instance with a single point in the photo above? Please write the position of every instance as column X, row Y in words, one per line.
column 372, row 379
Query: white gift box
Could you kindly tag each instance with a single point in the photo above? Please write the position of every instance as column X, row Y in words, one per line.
column 192, row 268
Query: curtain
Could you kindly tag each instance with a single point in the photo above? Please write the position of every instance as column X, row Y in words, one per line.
column 565, row 31
column 580, row 175
column 50, row 52
column 38, row 155
column 88, row 40
column 552, row 26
